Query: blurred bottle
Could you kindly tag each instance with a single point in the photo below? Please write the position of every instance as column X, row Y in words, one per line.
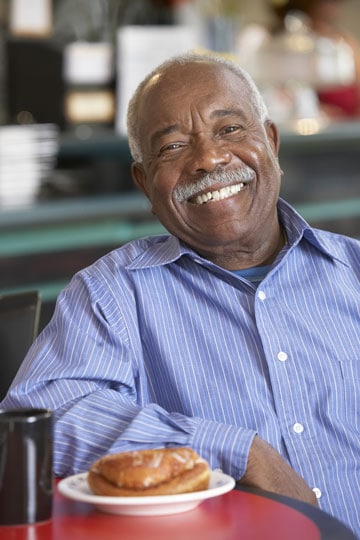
column 83, row 30
column 220, row 23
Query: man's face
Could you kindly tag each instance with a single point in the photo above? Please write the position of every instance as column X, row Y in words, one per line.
column 197, row 121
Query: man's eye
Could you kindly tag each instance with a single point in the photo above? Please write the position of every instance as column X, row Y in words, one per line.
column 230, row 129
column 170, row 147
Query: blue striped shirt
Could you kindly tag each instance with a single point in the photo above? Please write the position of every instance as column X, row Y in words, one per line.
column 153, row 345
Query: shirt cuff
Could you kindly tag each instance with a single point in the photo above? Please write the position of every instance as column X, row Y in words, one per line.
column 224, row 447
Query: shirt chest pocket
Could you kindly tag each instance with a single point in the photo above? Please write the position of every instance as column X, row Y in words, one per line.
column 350, row 370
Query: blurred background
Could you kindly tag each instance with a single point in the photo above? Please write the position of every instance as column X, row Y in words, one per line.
column 67, row 71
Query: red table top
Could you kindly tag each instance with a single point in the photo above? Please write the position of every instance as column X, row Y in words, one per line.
column 235, row 515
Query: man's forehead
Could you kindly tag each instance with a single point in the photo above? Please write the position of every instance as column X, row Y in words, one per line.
column 188, row 77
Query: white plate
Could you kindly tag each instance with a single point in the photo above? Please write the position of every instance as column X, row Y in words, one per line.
column 76, row 487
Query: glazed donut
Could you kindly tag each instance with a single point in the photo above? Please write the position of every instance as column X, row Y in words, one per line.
column 161, row 471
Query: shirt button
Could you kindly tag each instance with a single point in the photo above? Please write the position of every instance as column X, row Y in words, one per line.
column 261, row 295
column 282, row 356
column 317, row 492
column 298, row 428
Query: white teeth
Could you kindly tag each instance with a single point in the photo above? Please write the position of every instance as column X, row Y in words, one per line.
column 219, row 194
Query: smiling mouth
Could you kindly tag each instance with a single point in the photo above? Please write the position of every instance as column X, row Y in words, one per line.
column 218, row 194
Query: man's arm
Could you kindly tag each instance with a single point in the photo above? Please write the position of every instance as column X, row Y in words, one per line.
column 85, row 369
column 266, row 469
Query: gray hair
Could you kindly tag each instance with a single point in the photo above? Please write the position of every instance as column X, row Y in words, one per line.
column 133, row 133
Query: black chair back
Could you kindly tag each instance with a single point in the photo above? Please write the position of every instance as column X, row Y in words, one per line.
column 19, row 324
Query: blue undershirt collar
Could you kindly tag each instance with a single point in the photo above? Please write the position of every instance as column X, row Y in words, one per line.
column 254, row 275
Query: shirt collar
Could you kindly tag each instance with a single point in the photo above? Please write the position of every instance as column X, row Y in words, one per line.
column 163, row 250
column 166, row 249
column 297, row 229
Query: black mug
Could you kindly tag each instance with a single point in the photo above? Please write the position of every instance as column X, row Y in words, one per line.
column 26, row 466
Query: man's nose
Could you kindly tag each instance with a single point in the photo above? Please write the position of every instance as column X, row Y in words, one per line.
column 207, row 155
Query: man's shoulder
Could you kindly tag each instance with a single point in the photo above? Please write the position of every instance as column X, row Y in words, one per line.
column 144, row 250
column 339, row 245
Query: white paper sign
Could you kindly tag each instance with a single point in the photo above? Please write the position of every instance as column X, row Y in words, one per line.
column 140, row 50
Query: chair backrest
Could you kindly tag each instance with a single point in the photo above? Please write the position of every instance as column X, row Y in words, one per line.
column 19, row 323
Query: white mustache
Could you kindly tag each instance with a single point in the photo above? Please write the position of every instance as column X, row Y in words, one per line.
column 205, row 183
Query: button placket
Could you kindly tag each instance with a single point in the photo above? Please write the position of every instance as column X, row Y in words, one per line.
column 283, row 363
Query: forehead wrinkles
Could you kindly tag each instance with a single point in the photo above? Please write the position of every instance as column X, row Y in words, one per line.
column 195, row 112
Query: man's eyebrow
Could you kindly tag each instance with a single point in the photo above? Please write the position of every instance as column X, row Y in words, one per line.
column 164, row 131
column 222, row 113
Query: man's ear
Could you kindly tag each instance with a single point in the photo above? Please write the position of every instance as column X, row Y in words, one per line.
column 273, row 136
column 139, row 177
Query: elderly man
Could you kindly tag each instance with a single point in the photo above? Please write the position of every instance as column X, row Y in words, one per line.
column 238, row 334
